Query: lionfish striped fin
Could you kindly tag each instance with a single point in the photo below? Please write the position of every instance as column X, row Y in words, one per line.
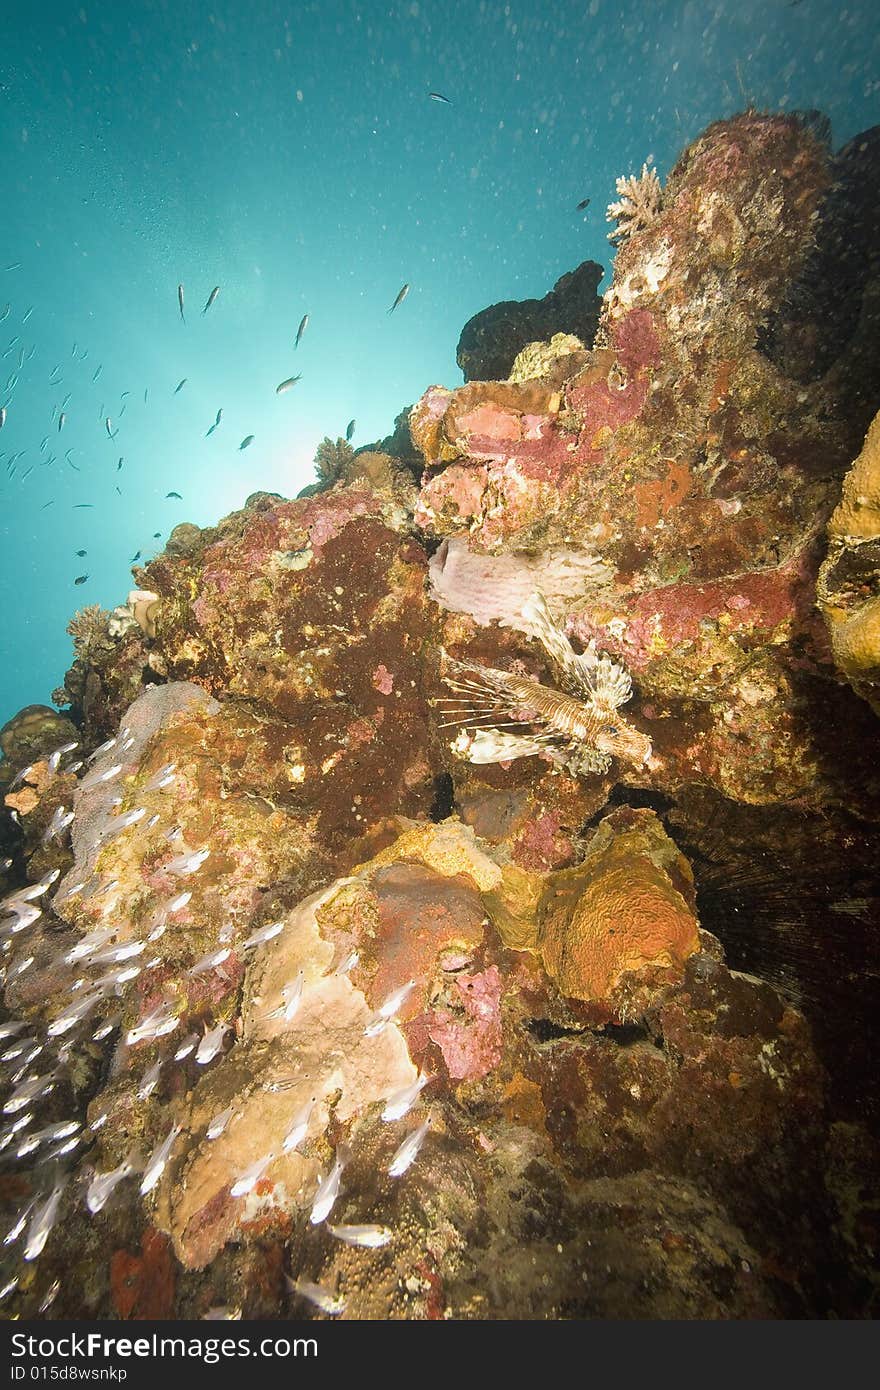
column 595, row 679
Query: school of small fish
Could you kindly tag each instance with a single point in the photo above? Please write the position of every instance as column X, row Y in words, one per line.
column 35, row 1056
column 74, row 412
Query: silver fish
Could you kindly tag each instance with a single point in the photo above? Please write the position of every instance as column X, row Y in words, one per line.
column 210, row 961
column 219, row 1123
column 400, row 1102
column 161, row 779
column 155, row 1025
column 303, row 325
column 328, row 1189
column 157, row 1161
column 348, row 964
column 408, row 1150
column 50, row 1296
column 187, row 863
column 211, row 297
column 180, row 302
column 20, row 1221
column 251, row 1176
column 88, row 944
column 300, row 1127
column 372, row 1237
column 291, row 997
column 102, row 748
column 61, row 819
column 103, row 1184
column 188, row 1045
column 262, row 934
column 27, row 1091
column 331, row 1303
column 74, row 1014
column 94, row 779
column 150, row 1080
column 179, row 902
column 42, row 1222
column 211, row 1043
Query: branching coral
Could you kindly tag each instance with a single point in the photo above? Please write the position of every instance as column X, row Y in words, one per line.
column 638, row 205
column 87, row 627
column 331, row 459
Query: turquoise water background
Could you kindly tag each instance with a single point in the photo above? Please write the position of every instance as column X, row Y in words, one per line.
column 292, row 155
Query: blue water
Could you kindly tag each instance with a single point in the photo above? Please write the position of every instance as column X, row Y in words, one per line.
column 292, row 155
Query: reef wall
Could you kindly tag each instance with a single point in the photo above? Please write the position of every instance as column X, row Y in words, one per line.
column 366, row 999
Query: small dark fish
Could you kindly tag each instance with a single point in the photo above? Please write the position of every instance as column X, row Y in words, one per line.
column 287, row 383
column 180, row 385
column 401, row 296
column 349, row 429
column 124, row 394
column 61, row 418
column 66, row 399
column 27, row 314
column 157, row 535
column 68, row 453
column 47, row 504
column 81, row 553
column 248, row 439
column 120, row 463
column 174, row 494
column 146, row 393
column 211, row 297
column 108, row 425
column 135, row 556
column 98, row 371
column 6, row 312
column 81, row 579
column 2, row 416
column 78, row 506
column 582, row 205
column 303, row 325
column 180, row 302
column 15, row 265
column 438, row 96
column 119, row 490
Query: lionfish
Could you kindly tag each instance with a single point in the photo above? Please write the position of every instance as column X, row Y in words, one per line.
column 577, row 726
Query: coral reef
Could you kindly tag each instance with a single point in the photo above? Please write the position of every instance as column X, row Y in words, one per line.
column 848, row 585
column 572, row 1030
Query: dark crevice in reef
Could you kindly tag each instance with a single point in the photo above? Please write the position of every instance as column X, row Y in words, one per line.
column 444, row 797
column 627, row 1034
column 639, row 798
column 544, row 1030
